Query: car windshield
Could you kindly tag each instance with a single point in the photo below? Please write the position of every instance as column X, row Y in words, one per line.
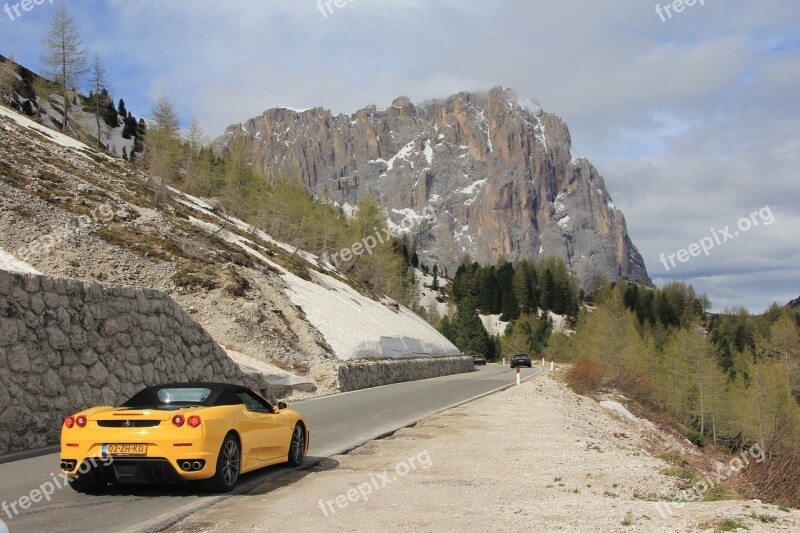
column 183, row 395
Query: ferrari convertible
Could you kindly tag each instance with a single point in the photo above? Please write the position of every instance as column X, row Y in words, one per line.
column 177, row 433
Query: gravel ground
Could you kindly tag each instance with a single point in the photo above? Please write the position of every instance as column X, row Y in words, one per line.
column 533, row 458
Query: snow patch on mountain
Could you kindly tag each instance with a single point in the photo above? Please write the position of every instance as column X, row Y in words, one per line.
column 354, row 325
column 12, row 264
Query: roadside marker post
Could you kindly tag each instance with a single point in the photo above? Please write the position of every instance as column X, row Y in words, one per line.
column 542, row 362
column 504, row 361
column 518, row 370
column 551, row 366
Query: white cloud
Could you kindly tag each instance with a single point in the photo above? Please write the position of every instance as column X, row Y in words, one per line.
column 693, row 121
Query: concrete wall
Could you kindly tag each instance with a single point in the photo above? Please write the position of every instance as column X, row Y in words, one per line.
column 366, row 374
column 66, row 345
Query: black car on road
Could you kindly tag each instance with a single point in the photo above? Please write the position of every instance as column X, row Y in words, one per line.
column 478, row 360
column 521, row 360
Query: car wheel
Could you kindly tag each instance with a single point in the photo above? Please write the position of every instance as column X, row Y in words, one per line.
column 228, row 463
column 297, row 448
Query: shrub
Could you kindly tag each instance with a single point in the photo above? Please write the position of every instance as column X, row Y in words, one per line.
column 235, row 283
column 584, row 376
column 695, row 438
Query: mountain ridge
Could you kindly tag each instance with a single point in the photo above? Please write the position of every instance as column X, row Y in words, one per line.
column 496, row 168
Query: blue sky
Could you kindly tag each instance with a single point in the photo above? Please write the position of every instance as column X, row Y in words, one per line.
column 694, row 120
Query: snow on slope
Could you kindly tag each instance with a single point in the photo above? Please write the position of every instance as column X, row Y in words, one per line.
column 354, row 325
column 272, row 373
column 11, row 263
column 494, row 325
column 59, row 138
column 357, row 327
column 427, row 296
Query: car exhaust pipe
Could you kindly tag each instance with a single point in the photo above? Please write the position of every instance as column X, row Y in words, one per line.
column 186, row 466
column 67, row 466
column 197, row 465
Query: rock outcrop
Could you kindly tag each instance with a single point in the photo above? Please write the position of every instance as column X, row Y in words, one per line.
column 496, row 170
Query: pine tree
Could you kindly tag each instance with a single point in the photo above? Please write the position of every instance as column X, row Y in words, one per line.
column 521, row 285
column 121, row 110
column 509, row 306
column 469, row 333
column 110, row 116
column 138, row 140
column 548, row 291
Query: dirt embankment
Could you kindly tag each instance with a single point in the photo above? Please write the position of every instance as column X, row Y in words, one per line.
column 533, row 458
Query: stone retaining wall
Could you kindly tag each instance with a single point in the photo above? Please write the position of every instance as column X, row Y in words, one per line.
column 66, row 345
column 356, row 375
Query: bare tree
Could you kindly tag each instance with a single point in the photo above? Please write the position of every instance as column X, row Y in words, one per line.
column 99, row 82
column 64, row 57
column 195, row 139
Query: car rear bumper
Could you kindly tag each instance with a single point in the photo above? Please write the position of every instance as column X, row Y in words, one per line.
column 141, row 470
column 163, row 463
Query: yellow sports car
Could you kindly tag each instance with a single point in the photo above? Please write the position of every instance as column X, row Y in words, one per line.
column 209, row 432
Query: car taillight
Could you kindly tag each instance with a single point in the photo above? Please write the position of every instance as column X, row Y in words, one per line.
column 69, row 422
column 193, row 421
column 178, row 420
column 80, row 421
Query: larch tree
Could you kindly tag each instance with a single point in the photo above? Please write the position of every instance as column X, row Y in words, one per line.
column 162, row 146
column 65, row 58
column 8, row 78
column 195, row 140
column 99, row 85
column 784, row 343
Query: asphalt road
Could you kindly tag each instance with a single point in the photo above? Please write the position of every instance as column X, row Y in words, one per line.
column 338, row 423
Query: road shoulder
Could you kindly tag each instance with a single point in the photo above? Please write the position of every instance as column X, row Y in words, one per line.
column 535, row 455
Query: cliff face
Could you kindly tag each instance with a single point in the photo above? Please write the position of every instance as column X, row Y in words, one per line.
column 496, row 170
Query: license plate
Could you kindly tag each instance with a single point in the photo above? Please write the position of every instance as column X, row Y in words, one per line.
column 125, row 449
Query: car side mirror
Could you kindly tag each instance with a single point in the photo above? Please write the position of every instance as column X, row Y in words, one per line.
column 283, row 405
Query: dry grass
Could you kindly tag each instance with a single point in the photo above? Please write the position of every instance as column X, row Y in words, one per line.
column 584, row 376
column 775, row 480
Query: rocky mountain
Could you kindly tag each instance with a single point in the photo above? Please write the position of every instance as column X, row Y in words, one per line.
column 495, row 169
